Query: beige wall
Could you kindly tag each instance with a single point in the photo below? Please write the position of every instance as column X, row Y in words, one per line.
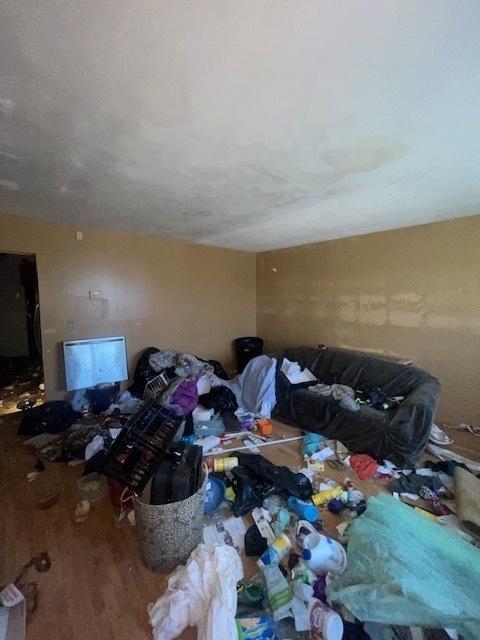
column 412, row 292
column 156, row 292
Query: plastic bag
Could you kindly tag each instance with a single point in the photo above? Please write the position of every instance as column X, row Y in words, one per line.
column 203, row 593
column 296, row 484
column 404, row 569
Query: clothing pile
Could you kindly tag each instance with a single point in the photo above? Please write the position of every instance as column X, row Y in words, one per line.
column 351, row 399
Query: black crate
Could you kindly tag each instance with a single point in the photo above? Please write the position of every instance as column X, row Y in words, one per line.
column 141, row 445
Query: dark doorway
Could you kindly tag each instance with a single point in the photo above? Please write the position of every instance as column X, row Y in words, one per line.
column 21, row 371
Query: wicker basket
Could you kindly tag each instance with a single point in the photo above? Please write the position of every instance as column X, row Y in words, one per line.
column 168, row 533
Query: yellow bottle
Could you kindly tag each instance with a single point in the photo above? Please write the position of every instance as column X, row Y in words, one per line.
column 327, row 495
column 225, row 464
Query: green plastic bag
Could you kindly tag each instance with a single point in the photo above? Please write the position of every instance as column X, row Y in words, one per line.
column 404, row 569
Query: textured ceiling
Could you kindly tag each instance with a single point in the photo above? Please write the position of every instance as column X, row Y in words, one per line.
column 251, row 124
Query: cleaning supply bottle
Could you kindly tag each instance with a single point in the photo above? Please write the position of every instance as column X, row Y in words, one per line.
column 276, row 551
column 303, row 509
column 325, row 496
column 324, row 622
column 280, row 595
column 324, row 555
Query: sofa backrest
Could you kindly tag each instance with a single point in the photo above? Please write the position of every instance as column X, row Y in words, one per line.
column 357, row 370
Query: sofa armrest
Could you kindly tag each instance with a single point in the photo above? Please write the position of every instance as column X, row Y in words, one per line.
column 408, row 430
column 426, row 394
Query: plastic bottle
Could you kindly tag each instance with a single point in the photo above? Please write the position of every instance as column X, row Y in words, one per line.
column 279, row 592
column 303, row 509
column 327, row 495
column 324, row 555
column 324, row 622
column 225, row 464
column 276, row 551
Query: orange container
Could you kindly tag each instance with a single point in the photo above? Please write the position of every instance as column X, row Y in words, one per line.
column 265, row 427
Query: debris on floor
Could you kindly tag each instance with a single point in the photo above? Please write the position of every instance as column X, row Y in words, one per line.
column 203, row 594
column 185, row 469
column 22, row 384
column 25, row 605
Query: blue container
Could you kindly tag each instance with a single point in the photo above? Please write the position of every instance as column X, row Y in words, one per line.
column 305, row 510
column 214, row 494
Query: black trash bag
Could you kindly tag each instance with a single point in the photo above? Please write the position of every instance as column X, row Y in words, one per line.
column 143, row 373
column 100, row 398
column 218, row 369
column 250, row 492
column 219, row 398
column 51, row 417
column 255, row 543
column 295, row 484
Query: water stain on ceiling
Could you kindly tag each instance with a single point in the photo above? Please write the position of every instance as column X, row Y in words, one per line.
column 246, row 125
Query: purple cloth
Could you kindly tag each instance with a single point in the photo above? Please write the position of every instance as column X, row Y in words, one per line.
column 319, row 589
column 185, row 396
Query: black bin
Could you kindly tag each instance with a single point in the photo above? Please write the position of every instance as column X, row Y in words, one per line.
column 246, row 349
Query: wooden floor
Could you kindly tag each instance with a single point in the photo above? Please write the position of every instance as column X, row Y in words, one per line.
column 97, row 587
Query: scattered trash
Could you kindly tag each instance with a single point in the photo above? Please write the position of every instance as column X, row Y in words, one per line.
column 445, row 454
column 26, row 403
column 214, row 494
column 255, row 543
column 305, row 510
column 336, row 506
column 324, row 555
column 326, row 495
column 426, row 571
column 265, row 427
column 280, row 594
column 92, row 488
column 322, row 454
column 82, row 510
column 310, row 443
column 437, row 436
column 260, row 628
column 225, row 530
column 225, row 464
column 202, row 594
column 94, row 447
column 325, row 621
column 12, row 614
column 28, row 587
column 276, row 551
column 208, row 443
column 262, row 519
column 364, row 466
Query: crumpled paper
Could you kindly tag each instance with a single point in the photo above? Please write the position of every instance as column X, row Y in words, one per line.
column 203, row 593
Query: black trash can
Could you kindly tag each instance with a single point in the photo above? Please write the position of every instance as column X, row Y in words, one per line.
column 246, row 349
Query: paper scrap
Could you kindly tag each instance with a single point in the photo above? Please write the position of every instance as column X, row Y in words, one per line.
column 323, row 454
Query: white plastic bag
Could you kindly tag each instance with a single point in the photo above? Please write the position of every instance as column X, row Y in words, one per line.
column 203, row 593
